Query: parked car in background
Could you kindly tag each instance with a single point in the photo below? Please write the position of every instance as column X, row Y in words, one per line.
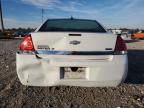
column 73, row 52
column 117, row 31
column 126, row 36
column 138, row 35
column 19, row 34
column 25, row 33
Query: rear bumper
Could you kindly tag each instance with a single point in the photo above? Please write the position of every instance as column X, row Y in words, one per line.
column 101, row 70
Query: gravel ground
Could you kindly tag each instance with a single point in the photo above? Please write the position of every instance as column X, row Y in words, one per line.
column 14, row 95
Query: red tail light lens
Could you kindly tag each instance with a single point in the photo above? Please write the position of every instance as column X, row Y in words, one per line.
column 27, row 44
column 120, row 45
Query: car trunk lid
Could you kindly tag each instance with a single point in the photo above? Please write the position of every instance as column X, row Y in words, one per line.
column 73, row 41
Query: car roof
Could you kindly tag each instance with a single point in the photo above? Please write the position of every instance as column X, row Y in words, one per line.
column 70, row 19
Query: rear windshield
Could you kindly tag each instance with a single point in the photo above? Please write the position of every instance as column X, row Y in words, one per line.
column 72, row 25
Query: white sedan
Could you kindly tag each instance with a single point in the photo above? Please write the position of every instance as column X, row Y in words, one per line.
column 72, row 52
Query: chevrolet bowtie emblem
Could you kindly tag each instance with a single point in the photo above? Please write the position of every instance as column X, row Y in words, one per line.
column 74, row 42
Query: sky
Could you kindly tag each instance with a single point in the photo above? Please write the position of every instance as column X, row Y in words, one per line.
column 110, row 13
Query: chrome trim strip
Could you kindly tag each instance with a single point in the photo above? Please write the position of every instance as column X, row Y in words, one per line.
column 74, row 52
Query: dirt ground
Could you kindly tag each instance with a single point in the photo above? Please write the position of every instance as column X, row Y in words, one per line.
column 14, row 95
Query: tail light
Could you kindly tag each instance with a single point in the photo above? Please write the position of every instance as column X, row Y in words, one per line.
column 27, row 44
column 120, row 46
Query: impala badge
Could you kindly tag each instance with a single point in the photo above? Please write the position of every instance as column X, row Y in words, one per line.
column 74, row 42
